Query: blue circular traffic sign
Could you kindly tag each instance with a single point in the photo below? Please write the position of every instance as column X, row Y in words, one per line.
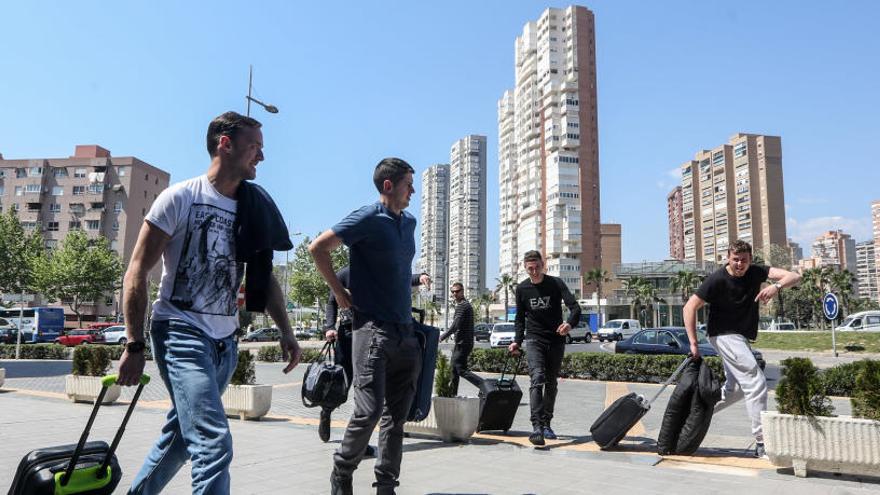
column 830, row 306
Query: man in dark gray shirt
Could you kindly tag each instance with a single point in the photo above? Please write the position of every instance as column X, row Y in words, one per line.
column 387, row 355
column 463, row 328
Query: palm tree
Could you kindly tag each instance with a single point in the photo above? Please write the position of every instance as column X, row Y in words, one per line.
column 684, row 282
column 813, row 286
column 482, row 302
column 506, row 282
column 597, row 277
column 842, row 283
column 643, row 294
column 631, row 288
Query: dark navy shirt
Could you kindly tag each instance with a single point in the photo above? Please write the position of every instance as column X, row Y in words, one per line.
column 382, row 246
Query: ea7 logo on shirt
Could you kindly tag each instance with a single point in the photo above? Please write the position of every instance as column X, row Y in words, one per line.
column 540, row 302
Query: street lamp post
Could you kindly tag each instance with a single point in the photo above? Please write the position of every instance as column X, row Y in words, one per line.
column 249, row 98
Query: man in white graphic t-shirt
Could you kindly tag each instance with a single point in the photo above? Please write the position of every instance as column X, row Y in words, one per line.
column 192, row 227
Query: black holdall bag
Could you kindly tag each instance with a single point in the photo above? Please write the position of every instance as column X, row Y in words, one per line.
column 325, row 383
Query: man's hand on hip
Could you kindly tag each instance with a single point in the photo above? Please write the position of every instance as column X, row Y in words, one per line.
column 131, row 367
column 290, row 350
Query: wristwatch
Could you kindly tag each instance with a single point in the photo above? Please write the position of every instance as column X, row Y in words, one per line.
column 778, row 286
column 135, row 346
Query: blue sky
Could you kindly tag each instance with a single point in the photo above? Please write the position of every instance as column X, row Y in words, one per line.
column 361, row 80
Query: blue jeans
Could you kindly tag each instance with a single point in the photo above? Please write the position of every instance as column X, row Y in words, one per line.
column 196, row 369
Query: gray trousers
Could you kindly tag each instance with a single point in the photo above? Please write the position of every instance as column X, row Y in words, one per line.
column 387, row 361
column 744, row 379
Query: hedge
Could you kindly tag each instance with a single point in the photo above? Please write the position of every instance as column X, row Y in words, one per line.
column 272, row 354
column 596, row 365
column 35, row 351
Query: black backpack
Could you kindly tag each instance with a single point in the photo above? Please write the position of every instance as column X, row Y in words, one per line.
column 324, row 383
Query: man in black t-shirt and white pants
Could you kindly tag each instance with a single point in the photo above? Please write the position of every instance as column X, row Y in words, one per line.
column 733, row 292
column 539, row 301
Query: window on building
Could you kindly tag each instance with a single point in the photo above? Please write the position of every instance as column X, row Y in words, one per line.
column 20, row 172
column 78, row 208
column 122, row 171
column 35, row 171
column 79, row 173
column 57, row 191
column 19, row 190
column 59, row 172
column 52, row 226
column 55, row 208
column 74, row 225
column 51, row 243
column 93, row 224
column 33, row 188
column 96, row 188
column 79, row 190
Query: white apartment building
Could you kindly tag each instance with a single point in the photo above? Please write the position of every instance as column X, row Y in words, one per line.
column 467, row 214
column 866, row 271
column 548, row 149
column 434, row 219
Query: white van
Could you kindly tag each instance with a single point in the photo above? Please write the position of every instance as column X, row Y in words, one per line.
column 866, row 320
column 618, row 330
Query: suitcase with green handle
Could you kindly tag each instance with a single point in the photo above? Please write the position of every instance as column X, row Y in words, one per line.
column 81, row 468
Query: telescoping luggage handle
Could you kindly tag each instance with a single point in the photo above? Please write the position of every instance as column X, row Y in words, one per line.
column 672, row 378
column 515, row 369
column 106, row 383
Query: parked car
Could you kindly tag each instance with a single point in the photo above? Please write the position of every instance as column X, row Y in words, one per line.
column 580, row 333
column 269, row 334
column 115, row 335
column 670, row 340
column 101, row 325
column 781, row 325
column 9, row 333
column 618, row 330
column 865, row 320
column 482, row 332
column 502, row 335
column 80, row 336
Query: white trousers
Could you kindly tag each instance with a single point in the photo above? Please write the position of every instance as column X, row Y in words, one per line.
column 744, row 378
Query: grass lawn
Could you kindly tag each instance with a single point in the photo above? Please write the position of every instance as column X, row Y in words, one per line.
column 819, row 341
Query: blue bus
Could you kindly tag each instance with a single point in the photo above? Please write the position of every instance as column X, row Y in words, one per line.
column 36, row 324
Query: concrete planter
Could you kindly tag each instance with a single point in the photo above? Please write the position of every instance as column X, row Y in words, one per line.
column 247, row 401
column 86, row 389
column 2, row 376
column 456, row 417
column 427, row 426
column 837, row 444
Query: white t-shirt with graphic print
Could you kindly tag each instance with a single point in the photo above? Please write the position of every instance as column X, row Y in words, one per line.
column 200, row 277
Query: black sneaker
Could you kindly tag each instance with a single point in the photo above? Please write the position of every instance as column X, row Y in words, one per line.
column 549, row 434
column 324, row 425
column 340, row 485
column 760, row 451
column 537, row 436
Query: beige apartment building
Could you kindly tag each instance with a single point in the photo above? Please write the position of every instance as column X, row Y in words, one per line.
column 93, row 191
column 676, row 224
column 548, row 148
column 835, row 249
column 731, row 192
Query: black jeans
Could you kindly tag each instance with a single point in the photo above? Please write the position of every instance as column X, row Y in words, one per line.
column 387, row 361
column 460, row 365
column 545, row 360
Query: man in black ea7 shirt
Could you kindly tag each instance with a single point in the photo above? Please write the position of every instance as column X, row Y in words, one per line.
column 733, row 293
column 539, row 301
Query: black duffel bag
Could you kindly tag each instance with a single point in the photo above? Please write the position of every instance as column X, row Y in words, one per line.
column 325, row 383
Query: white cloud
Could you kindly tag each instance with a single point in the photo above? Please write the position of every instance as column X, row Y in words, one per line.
column 804, row 232
column 674, row 173
column 666, row 183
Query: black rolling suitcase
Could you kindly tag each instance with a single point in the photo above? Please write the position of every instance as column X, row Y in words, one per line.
column 82, row 468
column 499, row 400
column 429, row 340
column 613, row 424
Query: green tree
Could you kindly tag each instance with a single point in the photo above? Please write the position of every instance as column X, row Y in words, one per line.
column 507, row 283
column 21, row 254
column 482, row 302
column 81, row 271
column 597, row 277
column 841, row 283
column 305, row 282
column 684, row 282
column 780, row 257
